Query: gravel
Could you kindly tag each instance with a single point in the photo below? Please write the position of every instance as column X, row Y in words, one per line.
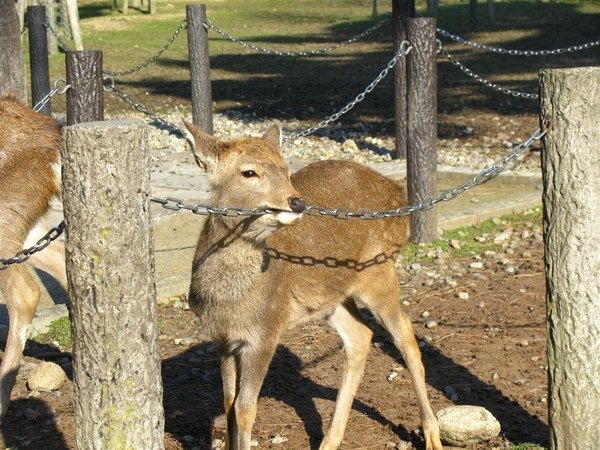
column 359, row 144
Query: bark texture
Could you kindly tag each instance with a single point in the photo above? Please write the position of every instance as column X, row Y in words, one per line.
column 85, row 99
column 421, row 159
column 199, row 67
column 570, row 104
column 110, row 267
column 12, row 68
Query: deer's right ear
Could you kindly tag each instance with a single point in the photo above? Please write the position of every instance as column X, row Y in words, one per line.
column 204, row 146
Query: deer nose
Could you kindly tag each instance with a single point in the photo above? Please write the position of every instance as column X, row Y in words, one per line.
column 297, row 205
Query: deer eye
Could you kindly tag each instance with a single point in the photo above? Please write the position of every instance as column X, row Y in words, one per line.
column 249, row 174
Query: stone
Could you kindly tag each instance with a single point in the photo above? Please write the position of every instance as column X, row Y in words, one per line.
column 466, row 425
column 46, row 377
column 403, row 445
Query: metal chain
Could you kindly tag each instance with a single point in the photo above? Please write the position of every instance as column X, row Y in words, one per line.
column 405, row 49
column 513, row 52
column 486, row 82
column 110, row 87
column 343, row 213
column 58, row 37
column 206, row 210
column 157, row 55
column 24, row 254
column 444, row 196
column 55, row 90
column 337, row 213
column 268, row 51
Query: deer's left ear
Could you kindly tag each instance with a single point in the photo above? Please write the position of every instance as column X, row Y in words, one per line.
column 273, row 136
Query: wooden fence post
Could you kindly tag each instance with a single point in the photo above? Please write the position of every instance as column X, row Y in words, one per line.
column 199, row 67
column 85, row 98
column 401, row 11
column 38, row 56
column 421, row 158
column 110, row 272
column 571, row 197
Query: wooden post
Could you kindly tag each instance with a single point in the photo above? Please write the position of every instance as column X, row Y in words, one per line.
column 85, row 99
column 571, row 197
column 110, row 272
column 401, row 11
column 421, row 159
column 199, row 67
column 12, row 69
column 38, row 57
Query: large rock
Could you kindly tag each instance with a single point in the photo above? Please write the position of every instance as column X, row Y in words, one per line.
column 467, row 425
column 46, row 377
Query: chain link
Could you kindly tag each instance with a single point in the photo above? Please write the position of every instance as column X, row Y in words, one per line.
column 111, row 87
column 157, row 55
column 55, row 90
column 513, row 52
column 174, row 204
column 405, row 49
column 484, row 81
column 24, row 255
column 268, row 51
column 444, row 196
column 364, row 214
column 61, row 42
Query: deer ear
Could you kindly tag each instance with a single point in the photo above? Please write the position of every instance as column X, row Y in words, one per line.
column 273, row 136
column 204, row 146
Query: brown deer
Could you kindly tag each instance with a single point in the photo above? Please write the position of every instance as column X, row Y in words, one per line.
column 254, row 277
column 29, row 178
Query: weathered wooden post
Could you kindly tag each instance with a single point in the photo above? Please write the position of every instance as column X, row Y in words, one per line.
column 85, row 98
column 12, row 69
column 421, row 158
column 110, row 267
column 38, row 56
column 401, row 11
column 571, row 197
column 199, row 67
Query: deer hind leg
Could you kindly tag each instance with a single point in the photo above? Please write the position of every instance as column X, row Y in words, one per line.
column 356, row 336
column 22, row 297
column 382, row 299
column 252, row 363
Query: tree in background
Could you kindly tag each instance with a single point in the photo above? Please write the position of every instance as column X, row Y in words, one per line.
column 12, row 68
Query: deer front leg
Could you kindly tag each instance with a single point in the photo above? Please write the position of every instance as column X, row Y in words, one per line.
column 22, row 297
column 252, row 362
column 229, row 378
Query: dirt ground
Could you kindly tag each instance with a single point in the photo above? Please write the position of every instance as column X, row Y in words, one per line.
column 487, row 350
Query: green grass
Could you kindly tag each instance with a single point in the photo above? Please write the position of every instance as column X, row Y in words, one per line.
column 309, row 88
column 466, row 237
column 527, row 446
column 58, row 331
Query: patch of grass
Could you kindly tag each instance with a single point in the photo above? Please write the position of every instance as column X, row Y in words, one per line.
column 527, row 446
column 467, row 241
column 58, row 331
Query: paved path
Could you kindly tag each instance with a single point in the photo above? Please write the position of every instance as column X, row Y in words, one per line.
column 175, row 233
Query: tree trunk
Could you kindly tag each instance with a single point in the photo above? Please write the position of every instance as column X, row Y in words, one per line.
column 571, row 170
column 490, row 11
column 473, row 12
column 110, row 271
column 375, row 8
column 12, row 68
column 73, row 15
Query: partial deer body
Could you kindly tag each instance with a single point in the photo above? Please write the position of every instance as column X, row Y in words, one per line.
column 253, row 278
column 29, row 178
